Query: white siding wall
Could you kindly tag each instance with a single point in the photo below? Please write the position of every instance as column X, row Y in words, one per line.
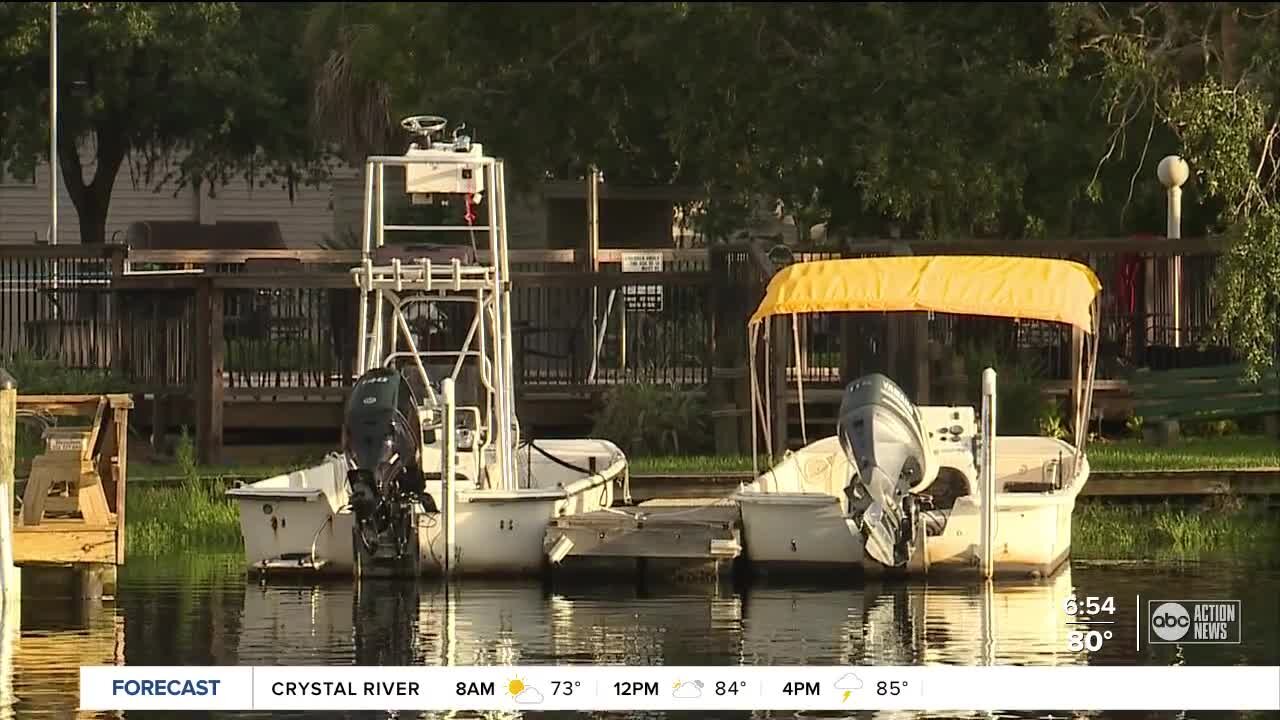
column 24, row 207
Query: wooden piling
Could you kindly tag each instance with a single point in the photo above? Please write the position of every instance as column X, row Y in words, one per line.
column 8, row 459
column 209, row 360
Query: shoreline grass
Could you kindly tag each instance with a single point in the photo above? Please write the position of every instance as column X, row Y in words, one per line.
column 196, row 516
column 192, row 516
column 1218, row 528
column 1235, row 452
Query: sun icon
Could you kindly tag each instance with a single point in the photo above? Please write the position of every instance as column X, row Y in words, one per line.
column 515, row 686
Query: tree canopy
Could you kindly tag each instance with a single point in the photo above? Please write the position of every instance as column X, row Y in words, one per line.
column 1011, row 120
column 213, row 88
column 1208, row 75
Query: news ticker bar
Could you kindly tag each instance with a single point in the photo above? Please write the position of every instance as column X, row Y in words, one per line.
column 589, row 688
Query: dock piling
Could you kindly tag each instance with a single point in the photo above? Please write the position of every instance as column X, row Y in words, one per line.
column 987, row 474
column 9, row 587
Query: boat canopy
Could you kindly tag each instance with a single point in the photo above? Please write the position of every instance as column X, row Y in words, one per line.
column 1015, row 287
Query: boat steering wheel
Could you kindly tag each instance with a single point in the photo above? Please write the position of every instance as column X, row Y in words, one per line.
column 424, row 125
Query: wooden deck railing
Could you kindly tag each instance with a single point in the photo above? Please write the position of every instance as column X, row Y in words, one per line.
column 219, row 322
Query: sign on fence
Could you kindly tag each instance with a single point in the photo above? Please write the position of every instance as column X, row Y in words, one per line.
column 642, row 298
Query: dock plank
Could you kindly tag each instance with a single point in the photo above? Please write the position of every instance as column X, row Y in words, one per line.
column 64, row 541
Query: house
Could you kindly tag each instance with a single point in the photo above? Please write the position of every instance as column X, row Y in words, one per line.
column 24, row 208
column 553, row 216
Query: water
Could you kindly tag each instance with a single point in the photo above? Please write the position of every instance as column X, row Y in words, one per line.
column 206, row 612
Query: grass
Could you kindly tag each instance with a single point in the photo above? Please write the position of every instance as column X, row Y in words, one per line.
column 1235, row 452
column 693, row 464
column 36, row 375
column 193, row 517
column 1223, row 527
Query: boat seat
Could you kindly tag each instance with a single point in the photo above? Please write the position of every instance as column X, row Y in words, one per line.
column 1029, row 464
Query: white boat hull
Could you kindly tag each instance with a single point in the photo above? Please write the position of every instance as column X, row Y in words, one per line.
column 299, row 521
column 793, row 517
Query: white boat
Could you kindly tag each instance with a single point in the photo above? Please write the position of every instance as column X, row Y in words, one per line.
column 934, row 488
column 432, row 476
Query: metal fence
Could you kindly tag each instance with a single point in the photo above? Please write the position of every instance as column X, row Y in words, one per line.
column 1139, row 324
column 64, row 304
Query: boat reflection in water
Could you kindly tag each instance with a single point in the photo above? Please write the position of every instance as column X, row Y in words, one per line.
column 911, row 624
column 389, row 622
column 397, row 623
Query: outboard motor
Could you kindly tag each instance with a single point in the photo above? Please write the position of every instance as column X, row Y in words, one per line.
column 382, row 439
column 881, row 433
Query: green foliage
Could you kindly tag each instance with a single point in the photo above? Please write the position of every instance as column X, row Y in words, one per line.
column 1133, row 425
column 193, row 516
column 1202, row 78
column 1051, row 423
column 250, row 355
column 1248, row 290
column 38, row 375
column 1232, row 452
column 188, row 92
column 648, row 419
column 1210, row 428
column 1227, row 528
column 184, row 455
column 859, row 115
column 1021, row 407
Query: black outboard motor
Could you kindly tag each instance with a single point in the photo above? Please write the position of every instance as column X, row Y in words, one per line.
column 382, row 439
column 881, row 434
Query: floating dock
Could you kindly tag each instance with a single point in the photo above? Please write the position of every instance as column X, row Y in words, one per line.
column 668, row 539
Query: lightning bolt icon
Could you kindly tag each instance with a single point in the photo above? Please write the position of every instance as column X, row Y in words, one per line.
column 846, row 695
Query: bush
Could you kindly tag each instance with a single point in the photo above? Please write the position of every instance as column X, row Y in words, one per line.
column 649, row 419
column 44, row 376
column 1021, row 407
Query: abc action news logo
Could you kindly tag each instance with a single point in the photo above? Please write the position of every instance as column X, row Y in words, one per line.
column 1215, row 622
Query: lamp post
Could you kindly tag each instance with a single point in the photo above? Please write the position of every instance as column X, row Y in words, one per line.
column 1172, row 173
column 53, row 123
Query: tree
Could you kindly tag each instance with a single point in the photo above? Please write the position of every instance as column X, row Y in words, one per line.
column 1208, row 75
column 192, row 94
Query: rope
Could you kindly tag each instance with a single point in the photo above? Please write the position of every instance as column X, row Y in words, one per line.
column 470, row 217
column 561, row 462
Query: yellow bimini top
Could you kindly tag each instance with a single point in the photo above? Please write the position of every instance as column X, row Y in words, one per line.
column 1014, row 287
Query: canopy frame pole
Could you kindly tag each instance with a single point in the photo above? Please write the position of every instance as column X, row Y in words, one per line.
column 795, row 341
column 768, row 399
column 1086, row 403
column 751, row 361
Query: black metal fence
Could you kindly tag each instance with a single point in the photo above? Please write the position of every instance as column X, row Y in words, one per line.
column 66, row 304
column 1143, row 324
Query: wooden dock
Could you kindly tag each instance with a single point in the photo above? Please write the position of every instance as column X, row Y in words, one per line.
column 665, row 539
column 73, row 502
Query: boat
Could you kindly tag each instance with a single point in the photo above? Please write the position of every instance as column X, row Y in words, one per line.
column 909, row 489
column 432, row 476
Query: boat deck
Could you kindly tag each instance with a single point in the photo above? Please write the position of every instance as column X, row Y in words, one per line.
column 670, row 539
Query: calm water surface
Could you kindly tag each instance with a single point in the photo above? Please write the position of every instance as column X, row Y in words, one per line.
column 206, row 613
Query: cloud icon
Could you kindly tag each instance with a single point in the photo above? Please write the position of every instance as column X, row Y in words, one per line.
column 530, row 696
column 849, row 681
column 688, row 690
